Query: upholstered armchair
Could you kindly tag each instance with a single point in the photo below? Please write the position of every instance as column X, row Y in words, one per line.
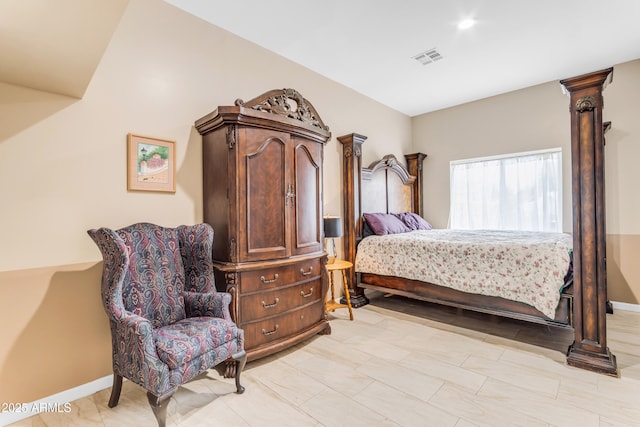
column 168, row 323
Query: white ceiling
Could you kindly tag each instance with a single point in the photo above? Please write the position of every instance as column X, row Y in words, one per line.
column 368, row 45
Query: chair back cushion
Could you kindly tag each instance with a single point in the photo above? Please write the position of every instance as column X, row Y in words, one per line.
column 196, row 244
column 154, row 282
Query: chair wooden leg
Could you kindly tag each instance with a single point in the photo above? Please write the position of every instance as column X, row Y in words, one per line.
column 240, row 362
column 115, row 391
column 159, row 407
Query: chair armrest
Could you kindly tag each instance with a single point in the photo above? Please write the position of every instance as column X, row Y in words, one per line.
column 136, row 357
column 137, row 325
column 135, row 334
column 207, row 304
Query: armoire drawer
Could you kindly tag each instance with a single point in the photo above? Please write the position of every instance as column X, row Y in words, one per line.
column 264, row 304
column 282, row 326
column 275, row 277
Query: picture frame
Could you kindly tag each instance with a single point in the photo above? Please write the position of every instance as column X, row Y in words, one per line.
column 151, row 164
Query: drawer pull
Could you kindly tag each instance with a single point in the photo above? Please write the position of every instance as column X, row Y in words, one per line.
column 265, row 305
column 265, row 280
column 306, row 273
column 269, row 332
column 306, row 295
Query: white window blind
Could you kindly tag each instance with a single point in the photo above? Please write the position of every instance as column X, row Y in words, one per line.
column 520, row 191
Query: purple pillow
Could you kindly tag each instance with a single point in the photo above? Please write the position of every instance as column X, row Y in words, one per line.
column 382, row 223
column 413, row 221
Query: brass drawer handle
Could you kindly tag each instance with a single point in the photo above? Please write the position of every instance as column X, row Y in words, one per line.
column 269, row 332
column 265, row 280
column 306, row 295
column 265, row 305
column 306, row 273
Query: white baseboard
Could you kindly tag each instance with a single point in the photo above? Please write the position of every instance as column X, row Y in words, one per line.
column 625, row 306
column 14, row 411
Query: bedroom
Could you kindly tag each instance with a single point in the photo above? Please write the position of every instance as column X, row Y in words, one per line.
column 141, row 86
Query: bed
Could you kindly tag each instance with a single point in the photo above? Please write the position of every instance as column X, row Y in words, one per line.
column 533, row 269
column 457, row 261
column 386, row 186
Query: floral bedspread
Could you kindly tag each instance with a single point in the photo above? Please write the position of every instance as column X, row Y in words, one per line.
column 528, row 267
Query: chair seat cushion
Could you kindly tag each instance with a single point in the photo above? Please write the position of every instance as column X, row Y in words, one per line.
column 179, row 343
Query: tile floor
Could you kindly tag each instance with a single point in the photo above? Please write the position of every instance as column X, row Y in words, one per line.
column 402, row 363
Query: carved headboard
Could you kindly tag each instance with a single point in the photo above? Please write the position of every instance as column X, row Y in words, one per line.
column 385, row 186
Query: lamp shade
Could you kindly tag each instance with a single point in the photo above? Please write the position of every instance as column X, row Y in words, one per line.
column 332, row 226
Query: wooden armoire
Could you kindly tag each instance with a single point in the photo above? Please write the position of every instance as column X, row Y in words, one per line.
column 262, row 184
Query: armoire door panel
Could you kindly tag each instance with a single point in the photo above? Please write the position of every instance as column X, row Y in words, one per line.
column 264, row 187
column 308, row 184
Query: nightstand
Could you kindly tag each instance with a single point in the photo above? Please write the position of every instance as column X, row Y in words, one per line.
column 342, row 266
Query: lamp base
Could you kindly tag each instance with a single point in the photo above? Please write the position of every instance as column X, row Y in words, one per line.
column 332, row 253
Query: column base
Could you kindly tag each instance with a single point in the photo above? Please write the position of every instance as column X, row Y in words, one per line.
column 603, row 363
column 356, row 300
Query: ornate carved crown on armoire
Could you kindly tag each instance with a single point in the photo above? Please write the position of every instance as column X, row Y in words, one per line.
column 262, row 193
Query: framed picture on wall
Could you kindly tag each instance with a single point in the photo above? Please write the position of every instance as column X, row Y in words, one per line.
column 151, row 164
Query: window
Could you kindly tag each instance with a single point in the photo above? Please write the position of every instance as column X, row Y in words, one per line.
column 512, row 192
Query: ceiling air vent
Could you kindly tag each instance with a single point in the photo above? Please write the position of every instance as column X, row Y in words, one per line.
column 429, row 56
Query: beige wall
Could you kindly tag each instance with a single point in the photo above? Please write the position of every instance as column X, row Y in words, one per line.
column 622, row 178
column 536, row 118
column 63, row 171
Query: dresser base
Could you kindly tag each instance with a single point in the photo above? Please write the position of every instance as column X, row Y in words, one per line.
column 322, row 328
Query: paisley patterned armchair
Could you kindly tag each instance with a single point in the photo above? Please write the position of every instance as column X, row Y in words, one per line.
column 168, row 323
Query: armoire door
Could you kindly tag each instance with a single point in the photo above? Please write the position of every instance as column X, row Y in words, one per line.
column 265, row 193
column 307, row 228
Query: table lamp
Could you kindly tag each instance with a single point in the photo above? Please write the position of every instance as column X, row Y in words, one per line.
column 332, row 229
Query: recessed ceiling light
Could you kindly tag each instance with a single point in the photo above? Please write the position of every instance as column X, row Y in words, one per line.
column 467, row 23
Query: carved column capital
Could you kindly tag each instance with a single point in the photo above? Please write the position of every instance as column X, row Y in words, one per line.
column 350, row 151
column 588, row 103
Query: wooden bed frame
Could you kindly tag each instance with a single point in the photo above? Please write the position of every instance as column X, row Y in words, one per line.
column 391, row 189
column 387, row 186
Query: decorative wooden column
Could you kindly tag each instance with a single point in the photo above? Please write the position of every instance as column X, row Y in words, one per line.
column 414, row 166
column 589, row 349
column 351, row 166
